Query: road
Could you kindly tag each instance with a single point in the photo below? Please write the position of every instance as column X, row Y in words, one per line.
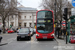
column 32, row 44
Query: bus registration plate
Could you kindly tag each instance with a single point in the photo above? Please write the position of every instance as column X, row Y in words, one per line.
column 44, row 37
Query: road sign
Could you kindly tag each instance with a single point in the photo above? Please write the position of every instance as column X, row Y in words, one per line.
column 73, row 3
column 64, row 23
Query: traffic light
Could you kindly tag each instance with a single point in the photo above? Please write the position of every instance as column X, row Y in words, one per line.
column 65, row 13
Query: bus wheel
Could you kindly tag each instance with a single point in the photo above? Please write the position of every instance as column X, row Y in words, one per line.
column 38, row 39
column 52, row 39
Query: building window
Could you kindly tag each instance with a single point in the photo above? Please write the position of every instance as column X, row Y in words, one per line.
column 30, row 17
column 20, row 17
column 34, row 24
column 30, row 24
column 19, row 24
column 12, row 16
column 12, row 23
column 25, row 17
column 24, row 24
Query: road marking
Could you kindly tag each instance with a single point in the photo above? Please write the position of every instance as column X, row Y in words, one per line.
column 28, row 42
column 32, row 41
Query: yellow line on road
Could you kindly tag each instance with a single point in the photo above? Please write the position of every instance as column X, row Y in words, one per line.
column 32, row 40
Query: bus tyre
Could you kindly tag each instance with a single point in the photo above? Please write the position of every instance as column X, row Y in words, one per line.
column 38, row 39
column 52, row 39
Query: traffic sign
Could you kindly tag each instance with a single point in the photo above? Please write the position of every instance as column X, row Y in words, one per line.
column 64, row 23
column 73, row 3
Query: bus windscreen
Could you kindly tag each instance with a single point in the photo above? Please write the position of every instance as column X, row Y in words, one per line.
column 44, row 14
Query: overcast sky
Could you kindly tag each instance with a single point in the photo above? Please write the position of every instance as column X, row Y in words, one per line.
column 31, row 3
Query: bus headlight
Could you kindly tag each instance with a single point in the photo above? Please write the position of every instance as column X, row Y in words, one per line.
column 52, row 34
column 37, row 35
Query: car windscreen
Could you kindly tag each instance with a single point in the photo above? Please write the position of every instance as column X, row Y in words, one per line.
column 26, row 30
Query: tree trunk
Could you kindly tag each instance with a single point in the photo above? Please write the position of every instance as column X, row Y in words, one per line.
column 8, row 22
column 3, row 26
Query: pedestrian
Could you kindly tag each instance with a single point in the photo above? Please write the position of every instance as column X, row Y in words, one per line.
column 0, row 30
column 58, row 30
column 0, row 39
column 64, row 31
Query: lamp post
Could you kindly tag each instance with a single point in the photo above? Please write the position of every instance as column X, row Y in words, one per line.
column 55, row 9
column 55, row 17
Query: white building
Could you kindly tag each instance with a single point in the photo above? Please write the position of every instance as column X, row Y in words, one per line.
column 25, row 17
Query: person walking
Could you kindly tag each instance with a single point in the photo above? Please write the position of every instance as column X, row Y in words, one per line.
column 0, row 30
column 0, row 38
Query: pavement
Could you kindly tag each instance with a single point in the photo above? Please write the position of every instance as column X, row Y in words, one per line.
column 3, row 41
column 63, row 46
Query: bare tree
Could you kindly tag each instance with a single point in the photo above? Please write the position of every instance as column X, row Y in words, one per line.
column 60, row 5
column 7, row 8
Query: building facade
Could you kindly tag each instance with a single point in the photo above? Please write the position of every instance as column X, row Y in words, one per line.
column 25, row 17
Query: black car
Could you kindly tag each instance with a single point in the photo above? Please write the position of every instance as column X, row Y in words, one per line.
column 23, row 33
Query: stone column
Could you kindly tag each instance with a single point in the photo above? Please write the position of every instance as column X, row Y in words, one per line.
column 16, row 20
column 32, row 20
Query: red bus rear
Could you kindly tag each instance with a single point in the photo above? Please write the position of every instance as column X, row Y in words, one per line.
column 44, row 24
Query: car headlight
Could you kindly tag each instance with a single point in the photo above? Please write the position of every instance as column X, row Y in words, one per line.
column 37, row 34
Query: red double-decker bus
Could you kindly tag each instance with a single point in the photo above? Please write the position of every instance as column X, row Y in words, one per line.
column 44, row 24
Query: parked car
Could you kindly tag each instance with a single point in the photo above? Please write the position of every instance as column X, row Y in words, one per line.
column 0, row 39
column 10, row 31
column 14, row 29
column 6, row 29
column 23, row 33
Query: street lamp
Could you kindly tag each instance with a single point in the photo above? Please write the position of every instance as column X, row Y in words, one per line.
column 55, row 9
column 55, row 16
